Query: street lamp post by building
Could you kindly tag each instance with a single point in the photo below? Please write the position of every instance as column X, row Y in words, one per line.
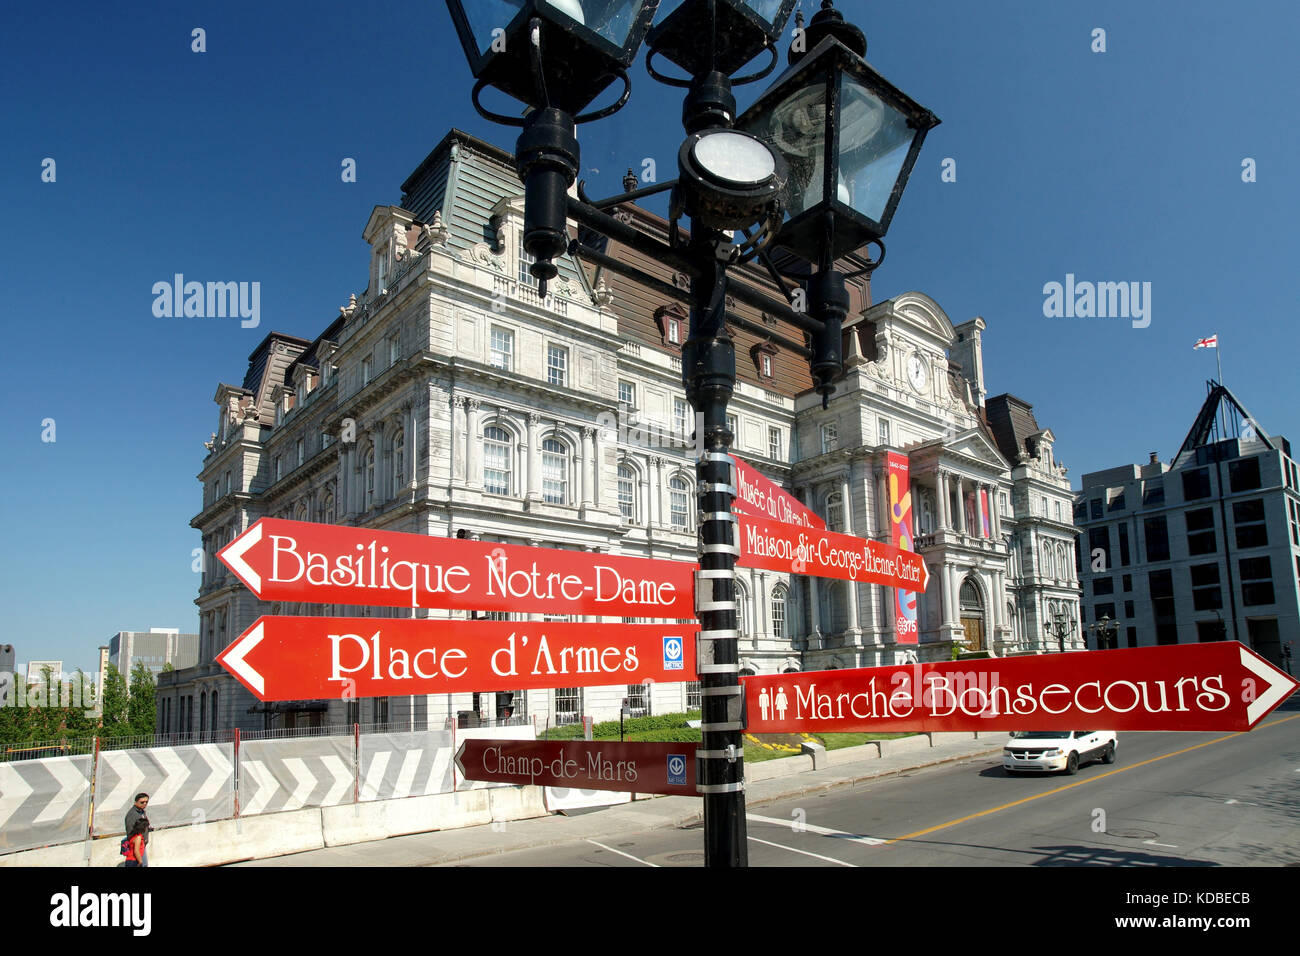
column 1104, row 630
column 1060, row 627
column 830, row 127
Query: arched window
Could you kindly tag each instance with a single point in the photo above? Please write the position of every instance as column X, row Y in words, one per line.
column 496, row 460
column 369, row 468
column 970, row 597
column 835, row 512
column 1049, row 564
column 627, row 492
column 778, row 610
column 203, row 712
column 678, row 495
column 555, row 472
column 399, row 460
column 327, row 507
column 213, row 703
column 300, row 513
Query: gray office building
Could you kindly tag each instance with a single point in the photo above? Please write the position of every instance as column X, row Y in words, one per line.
column 1203, row 548
column 157, row 647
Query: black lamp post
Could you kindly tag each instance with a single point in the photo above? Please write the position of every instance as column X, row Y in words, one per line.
column 558, row 56
column 1060, row 627
column 1104, row 631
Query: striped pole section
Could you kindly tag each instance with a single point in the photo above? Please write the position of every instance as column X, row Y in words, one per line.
column 709, row 373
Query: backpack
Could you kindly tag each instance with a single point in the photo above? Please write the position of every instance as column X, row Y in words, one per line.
column 126, row 846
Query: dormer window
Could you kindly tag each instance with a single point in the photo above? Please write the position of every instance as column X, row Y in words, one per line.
column 671, row 320
column 764, row 355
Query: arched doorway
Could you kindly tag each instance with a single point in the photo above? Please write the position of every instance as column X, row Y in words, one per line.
column 972, row 615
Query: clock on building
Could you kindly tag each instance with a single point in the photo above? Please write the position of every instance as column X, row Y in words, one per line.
column 916, row 371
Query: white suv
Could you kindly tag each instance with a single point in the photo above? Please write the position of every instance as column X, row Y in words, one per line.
column 1049, row 750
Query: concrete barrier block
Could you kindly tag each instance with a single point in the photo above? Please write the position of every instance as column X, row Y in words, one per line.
column 904, row 745
column 517, row 803
column 67, row 854
column 381, row 819
column 865, row 751
column 225, row 841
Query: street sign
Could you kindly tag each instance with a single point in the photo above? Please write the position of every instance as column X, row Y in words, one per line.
column 283, row 560
column 318, row 658
column 760, row 496
column 582, row 764
column 777, row 546
column 1222, row 686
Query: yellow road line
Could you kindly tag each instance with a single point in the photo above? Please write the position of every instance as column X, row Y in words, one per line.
column 1079, row 783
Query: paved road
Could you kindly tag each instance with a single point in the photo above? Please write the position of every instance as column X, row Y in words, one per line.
column 1171, row 800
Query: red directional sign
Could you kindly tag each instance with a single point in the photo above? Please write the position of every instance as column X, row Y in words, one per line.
column 582, row 764
column 329, row 564
column 1222, row 686
column 764, row 498
column 777, row 546
column 316, row 658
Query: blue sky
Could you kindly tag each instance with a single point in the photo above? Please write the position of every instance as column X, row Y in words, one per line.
column 1123, row 165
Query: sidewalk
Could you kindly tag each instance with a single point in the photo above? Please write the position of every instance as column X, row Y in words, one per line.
column 767, row 782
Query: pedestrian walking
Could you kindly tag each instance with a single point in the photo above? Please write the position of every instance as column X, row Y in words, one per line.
column 135, row 841
column 134, row 815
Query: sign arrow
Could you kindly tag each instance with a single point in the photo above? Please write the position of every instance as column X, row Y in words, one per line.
column 234, row 659
column 1189, row 687
column 315, row 658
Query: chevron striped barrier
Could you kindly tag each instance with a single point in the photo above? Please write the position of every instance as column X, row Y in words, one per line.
column 406, row 764
column 277, row 775
column 44, row 802
column 185, row 784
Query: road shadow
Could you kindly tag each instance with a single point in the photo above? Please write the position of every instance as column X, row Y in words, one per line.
column 1078, row 855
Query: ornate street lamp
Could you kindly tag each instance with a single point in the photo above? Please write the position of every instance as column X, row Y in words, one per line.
column 849, row 137
column 579, row 47
column 1104, row 630
column 1060, row 627
column 700, row 40
column 557, row 56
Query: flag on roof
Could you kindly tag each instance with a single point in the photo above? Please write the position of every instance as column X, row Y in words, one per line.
column 1211, row 343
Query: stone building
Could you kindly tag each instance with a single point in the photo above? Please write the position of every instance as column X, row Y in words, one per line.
column 449, row 398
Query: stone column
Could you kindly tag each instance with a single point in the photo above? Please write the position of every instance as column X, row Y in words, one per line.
column 960, row 524
column 995, row 509
column 814, row 612
column 941, row 499
column 851, row 587
column 659, row 492
column 584, row 471
column 459, row 431
column 594, row 494
column 473, row 445
column 534, row 457
column 945, row 577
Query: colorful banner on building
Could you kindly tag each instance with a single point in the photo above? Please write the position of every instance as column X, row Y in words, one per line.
column 986, row 526
column 906, row 626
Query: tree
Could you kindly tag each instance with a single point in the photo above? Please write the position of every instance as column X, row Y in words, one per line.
column 115, row 721
column 142, row 708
